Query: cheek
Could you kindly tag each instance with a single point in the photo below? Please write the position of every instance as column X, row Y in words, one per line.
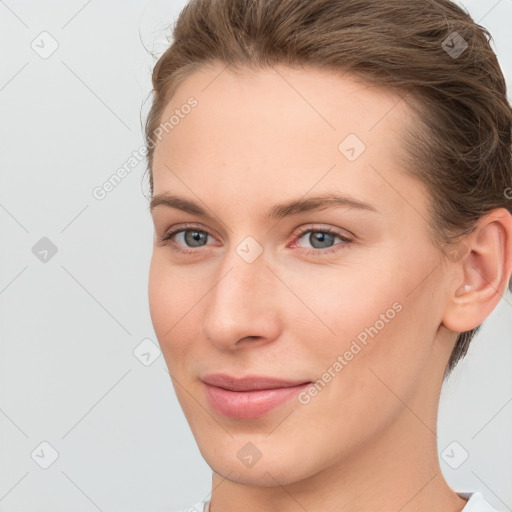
column 367, row 320
column 376, row 353
column 171, row 301
column 345, row 303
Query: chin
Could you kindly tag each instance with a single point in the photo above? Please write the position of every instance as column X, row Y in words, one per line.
column 259, row 464
column 260, row 475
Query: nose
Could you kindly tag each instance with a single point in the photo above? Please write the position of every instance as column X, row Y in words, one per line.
column 242, row 307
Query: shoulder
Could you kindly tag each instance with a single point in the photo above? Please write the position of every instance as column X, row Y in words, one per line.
column 476, row 503
column 200, row 506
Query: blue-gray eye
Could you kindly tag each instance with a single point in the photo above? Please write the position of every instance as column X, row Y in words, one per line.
column 194, row 238
column 321, row 239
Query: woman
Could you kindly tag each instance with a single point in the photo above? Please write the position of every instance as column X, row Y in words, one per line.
column 332, row 226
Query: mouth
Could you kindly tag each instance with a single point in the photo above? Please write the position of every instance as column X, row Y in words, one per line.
column 249, row 397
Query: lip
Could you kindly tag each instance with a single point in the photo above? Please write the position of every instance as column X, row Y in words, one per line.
column 249, row 397
column 249, row 383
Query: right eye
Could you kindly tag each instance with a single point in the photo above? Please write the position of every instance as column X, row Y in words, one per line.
column 192, row 236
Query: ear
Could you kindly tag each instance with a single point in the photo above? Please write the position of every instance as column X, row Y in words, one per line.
column 482, row 272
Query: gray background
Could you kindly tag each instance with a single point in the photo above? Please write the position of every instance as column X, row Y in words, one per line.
column 68, row 374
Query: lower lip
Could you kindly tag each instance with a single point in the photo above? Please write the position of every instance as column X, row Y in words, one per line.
column 248, row 405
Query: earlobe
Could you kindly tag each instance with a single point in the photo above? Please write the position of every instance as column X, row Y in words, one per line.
column 486, row 268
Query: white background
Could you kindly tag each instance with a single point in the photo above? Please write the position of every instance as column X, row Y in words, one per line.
column 68, row 375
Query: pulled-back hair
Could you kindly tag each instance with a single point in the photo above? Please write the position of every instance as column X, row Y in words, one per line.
column 460, row 146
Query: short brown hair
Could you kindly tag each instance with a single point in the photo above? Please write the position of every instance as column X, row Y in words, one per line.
column 461, row 149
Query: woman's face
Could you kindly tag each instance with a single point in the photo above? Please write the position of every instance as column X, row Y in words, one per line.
column 347, row 295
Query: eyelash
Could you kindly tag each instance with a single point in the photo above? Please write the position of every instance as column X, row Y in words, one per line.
column 317, row 252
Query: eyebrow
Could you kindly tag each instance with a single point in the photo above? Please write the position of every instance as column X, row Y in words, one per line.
column 278, row 211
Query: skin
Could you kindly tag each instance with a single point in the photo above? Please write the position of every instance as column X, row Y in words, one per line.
column 367, row 441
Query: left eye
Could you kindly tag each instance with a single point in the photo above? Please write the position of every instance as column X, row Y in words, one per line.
column 322, row 238
column 192, row 237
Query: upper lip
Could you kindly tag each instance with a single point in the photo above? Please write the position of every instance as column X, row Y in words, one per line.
column 251, row 382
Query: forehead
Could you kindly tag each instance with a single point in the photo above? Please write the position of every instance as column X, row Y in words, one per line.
column 323, row 100
column 283, row 128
